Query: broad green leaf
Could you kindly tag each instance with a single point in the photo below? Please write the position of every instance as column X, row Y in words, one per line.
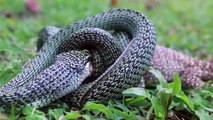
column 121, row 106
column 207, row 92
column 27, row 110
column 135, row 91
column 99, row 107
column 185, row 99
column 136, row 100
column 203, row 115
column 36, row 117
column 33, row 114
column 86, row 117
column 202, row 99
column 72, row 115
column 158, row 108
column 175, row 85
column 206, row 108
column 120, row 114
column 56, row 113
column 165, row 96
column 160, row 77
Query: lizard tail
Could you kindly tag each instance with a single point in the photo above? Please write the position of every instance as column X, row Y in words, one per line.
column 211, row 60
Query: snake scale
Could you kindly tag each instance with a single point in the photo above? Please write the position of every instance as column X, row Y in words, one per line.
column 38, row 84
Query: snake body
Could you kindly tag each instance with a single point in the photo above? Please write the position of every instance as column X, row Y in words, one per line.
column 68, row 71
column 123, row 72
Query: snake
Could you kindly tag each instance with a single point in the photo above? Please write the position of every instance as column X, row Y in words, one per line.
column 69, row 69
column 122, row 72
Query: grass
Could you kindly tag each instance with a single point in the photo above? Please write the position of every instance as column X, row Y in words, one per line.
column 182, row 25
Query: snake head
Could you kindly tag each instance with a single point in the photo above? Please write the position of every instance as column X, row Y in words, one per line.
column 79, row 60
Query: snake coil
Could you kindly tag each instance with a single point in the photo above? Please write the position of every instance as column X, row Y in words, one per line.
column 125, row 71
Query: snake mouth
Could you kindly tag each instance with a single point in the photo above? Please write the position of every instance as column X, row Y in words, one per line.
column 87, row 72
column 87, row 76
column 90, row 67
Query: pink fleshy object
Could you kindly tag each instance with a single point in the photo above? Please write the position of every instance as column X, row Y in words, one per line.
column 32, row 6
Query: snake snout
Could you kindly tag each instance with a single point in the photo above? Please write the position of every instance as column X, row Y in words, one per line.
column 75, row 58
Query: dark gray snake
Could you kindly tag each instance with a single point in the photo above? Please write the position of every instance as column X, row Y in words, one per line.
column 56, row 70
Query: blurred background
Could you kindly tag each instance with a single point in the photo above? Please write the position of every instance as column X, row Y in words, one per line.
column 184, row 25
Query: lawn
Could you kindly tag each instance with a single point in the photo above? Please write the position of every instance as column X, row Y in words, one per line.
column 182, row 25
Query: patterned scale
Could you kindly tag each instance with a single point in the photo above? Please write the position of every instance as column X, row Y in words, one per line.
column 121, row 73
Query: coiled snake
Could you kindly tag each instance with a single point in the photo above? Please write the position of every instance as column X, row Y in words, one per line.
column 45, row 78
